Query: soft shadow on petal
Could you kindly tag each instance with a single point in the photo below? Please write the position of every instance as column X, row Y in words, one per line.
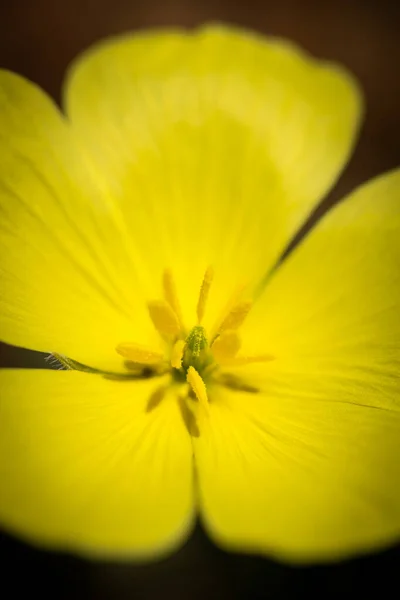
column 84, row 467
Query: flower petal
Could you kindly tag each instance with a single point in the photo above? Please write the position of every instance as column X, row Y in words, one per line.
column 68, row 282
column 92, row 465
column 313, row 459
column 216, row 144
column 301, row 474
column 336, row 299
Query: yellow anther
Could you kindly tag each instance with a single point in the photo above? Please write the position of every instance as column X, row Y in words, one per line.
column 233, row 301
column 235, row 316
column 139, row 354
column 204, row 291
column 238, row 361
column 198, row 386
column 170, row 294
column 164, row 318
column 226, row 345
column 177, row 354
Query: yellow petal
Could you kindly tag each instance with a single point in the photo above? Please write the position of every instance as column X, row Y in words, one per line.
column 313, row 459
column 335, row 302
column 217, row 144
column 299, row 474
column 91, row 465
column 69, row 283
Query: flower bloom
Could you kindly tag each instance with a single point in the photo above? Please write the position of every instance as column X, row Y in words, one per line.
column 140, row 236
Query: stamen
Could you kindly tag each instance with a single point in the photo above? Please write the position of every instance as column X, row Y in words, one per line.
column 139, row 354
column 198, row 386
column 177, row 354
column 204, row 291
column 238, row 361
column 233, row 301
column 235, row 316
column 164, row 318
column 170, row 294
column 226, row 345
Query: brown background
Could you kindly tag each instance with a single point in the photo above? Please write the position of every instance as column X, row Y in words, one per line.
column 38, row 38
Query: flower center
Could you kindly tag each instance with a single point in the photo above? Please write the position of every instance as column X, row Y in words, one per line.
column 194, row 357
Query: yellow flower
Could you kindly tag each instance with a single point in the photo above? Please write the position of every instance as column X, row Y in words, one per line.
column 139, row 237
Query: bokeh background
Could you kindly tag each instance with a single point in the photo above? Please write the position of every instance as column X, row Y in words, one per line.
column 38, row 38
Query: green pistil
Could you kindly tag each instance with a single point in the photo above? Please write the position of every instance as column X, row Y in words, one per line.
column 196, row 341
column 195, row 353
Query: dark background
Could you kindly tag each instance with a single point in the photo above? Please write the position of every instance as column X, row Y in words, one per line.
column 38, row 38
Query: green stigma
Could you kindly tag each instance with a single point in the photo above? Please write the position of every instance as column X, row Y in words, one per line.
column 196, row 341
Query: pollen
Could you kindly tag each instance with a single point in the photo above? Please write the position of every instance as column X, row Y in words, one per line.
column 236, row 316
column 196, row 341
column 198, row 360
column 198, row 386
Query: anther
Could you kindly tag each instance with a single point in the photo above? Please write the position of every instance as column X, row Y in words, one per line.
column 170, row 295
column 226, row 346
column 139, row 354
column 204, row 291
column 233, row 301
column 177, row 354
column 238, row 361
column 164, row 318
column 235, row 316
column 198, row 386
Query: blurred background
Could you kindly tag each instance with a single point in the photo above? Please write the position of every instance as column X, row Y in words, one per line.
column 38, row 38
